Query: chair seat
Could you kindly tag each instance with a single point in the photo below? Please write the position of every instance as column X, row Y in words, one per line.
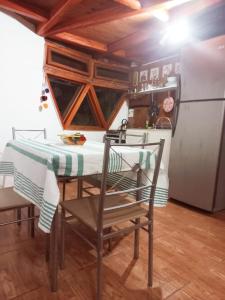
column 10, row 200
column 85, row 209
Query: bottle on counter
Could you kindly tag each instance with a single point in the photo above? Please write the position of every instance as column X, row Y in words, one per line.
column 146, row 124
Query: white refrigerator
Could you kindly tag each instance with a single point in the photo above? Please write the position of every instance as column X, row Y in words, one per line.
column 197, row 156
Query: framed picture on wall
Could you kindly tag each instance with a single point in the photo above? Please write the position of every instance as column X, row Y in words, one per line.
column 177, row 68
column 143, row 75
column 154, row 73
column 166, row 70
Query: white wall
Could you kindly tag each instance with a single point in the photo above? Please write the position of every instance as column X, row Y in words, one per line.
column 21, row 76
column 21, row 62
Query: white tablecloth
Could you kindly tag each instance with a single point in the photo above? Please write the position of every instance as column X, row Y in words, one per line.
column 36, row 165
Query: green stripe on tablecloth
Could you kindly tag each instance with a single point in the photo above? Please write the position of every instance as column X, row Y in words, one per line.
column 80, row 159
column 26, row 186
column 141, row 155
column 161, row 194
column 111, row 162
column 45, row 222
column 50, row 205
column 6, row 168
column 115, row 162
column 121, row 162
column 54, row 165
column 47, row 214
column 68, row 154
column 80, row 162
column 35, row 157
column 147, row 162
column 53, row 148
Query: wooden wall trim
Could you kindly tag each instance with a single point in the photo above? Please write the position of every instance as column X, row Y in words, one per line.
column 88, row 80
column 67, row 50
column 116, row 110
column 65, row 74
column 97, row 107
column 76, row 105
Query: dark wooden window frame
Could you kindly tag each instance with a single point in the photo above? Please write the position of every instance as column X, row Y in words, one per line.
column 88, row 82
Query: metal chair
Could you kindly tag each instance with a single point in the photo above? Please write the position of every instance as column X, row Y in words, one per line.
column 10, row 201
column 94, row 181
column 102, row 212
column 18, row 133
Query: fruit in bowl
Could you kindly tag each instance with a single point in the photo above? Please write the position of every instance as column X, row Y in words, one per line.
column 73, row 139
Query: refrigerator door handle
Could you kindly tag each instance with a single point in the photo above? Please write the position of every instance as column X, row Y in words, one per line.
column 177, row 105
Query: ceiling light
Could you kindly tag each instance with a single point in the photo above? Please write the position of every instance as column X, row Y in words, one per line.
column 176, row 33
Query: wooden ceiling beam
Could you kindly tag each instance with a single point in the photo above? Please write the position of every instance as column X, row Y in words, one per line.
column 78, row 40
column 133, row 4
column 105, row 16
column 24, row 10
column 56, row 14
column 114, row 13
column 85, row 42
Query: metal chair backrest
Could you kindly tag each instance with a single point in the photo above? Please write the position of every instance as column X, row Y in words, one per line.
column 130, row 138
column 141, row 186
column 39, row 132
column 133, row 138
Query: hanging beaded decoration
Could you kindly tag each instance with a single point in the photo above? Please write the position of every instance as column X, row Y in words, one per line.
column 44, row 96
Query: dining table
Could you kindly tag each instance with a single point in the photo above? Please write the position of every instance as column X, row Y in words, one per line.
column 37, row 166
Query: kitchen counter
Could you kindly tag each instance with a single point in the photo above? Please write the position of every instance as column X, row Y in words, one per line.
column 154, row 135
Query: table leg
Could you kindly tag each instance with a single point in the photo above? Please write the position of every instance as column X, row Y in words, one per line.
column 79, row 187
column 53, row 255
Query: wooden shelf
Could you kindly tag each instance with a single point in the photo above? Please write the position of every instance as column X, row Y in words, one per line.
column 153, row 91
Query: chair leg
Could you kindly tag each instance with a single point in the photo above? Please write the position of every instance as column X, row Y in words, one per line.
column 110, row 240
column 32, row 221
column 64, row 191
column 30, row 213
column 62, row 241
column 150, row 255
column 18, row 215
column 136, row 240
column 99, row 268
column 53, row 257
column 3, row 180
column 47, row 245
column 79, row 187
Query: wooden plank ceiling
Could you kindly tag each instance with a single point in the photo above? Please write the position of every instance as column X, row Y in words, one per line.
column 130, row 29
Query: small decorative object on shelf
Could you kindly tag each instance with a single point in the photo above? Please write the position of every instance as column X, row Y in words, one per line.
column 73, row 139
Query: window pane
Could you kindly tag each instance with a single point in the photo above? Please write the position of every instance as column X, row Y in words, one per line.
column 113, row 74
column 69, row 62
column 65, row 92
column 85, row 116
column 108, row 98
